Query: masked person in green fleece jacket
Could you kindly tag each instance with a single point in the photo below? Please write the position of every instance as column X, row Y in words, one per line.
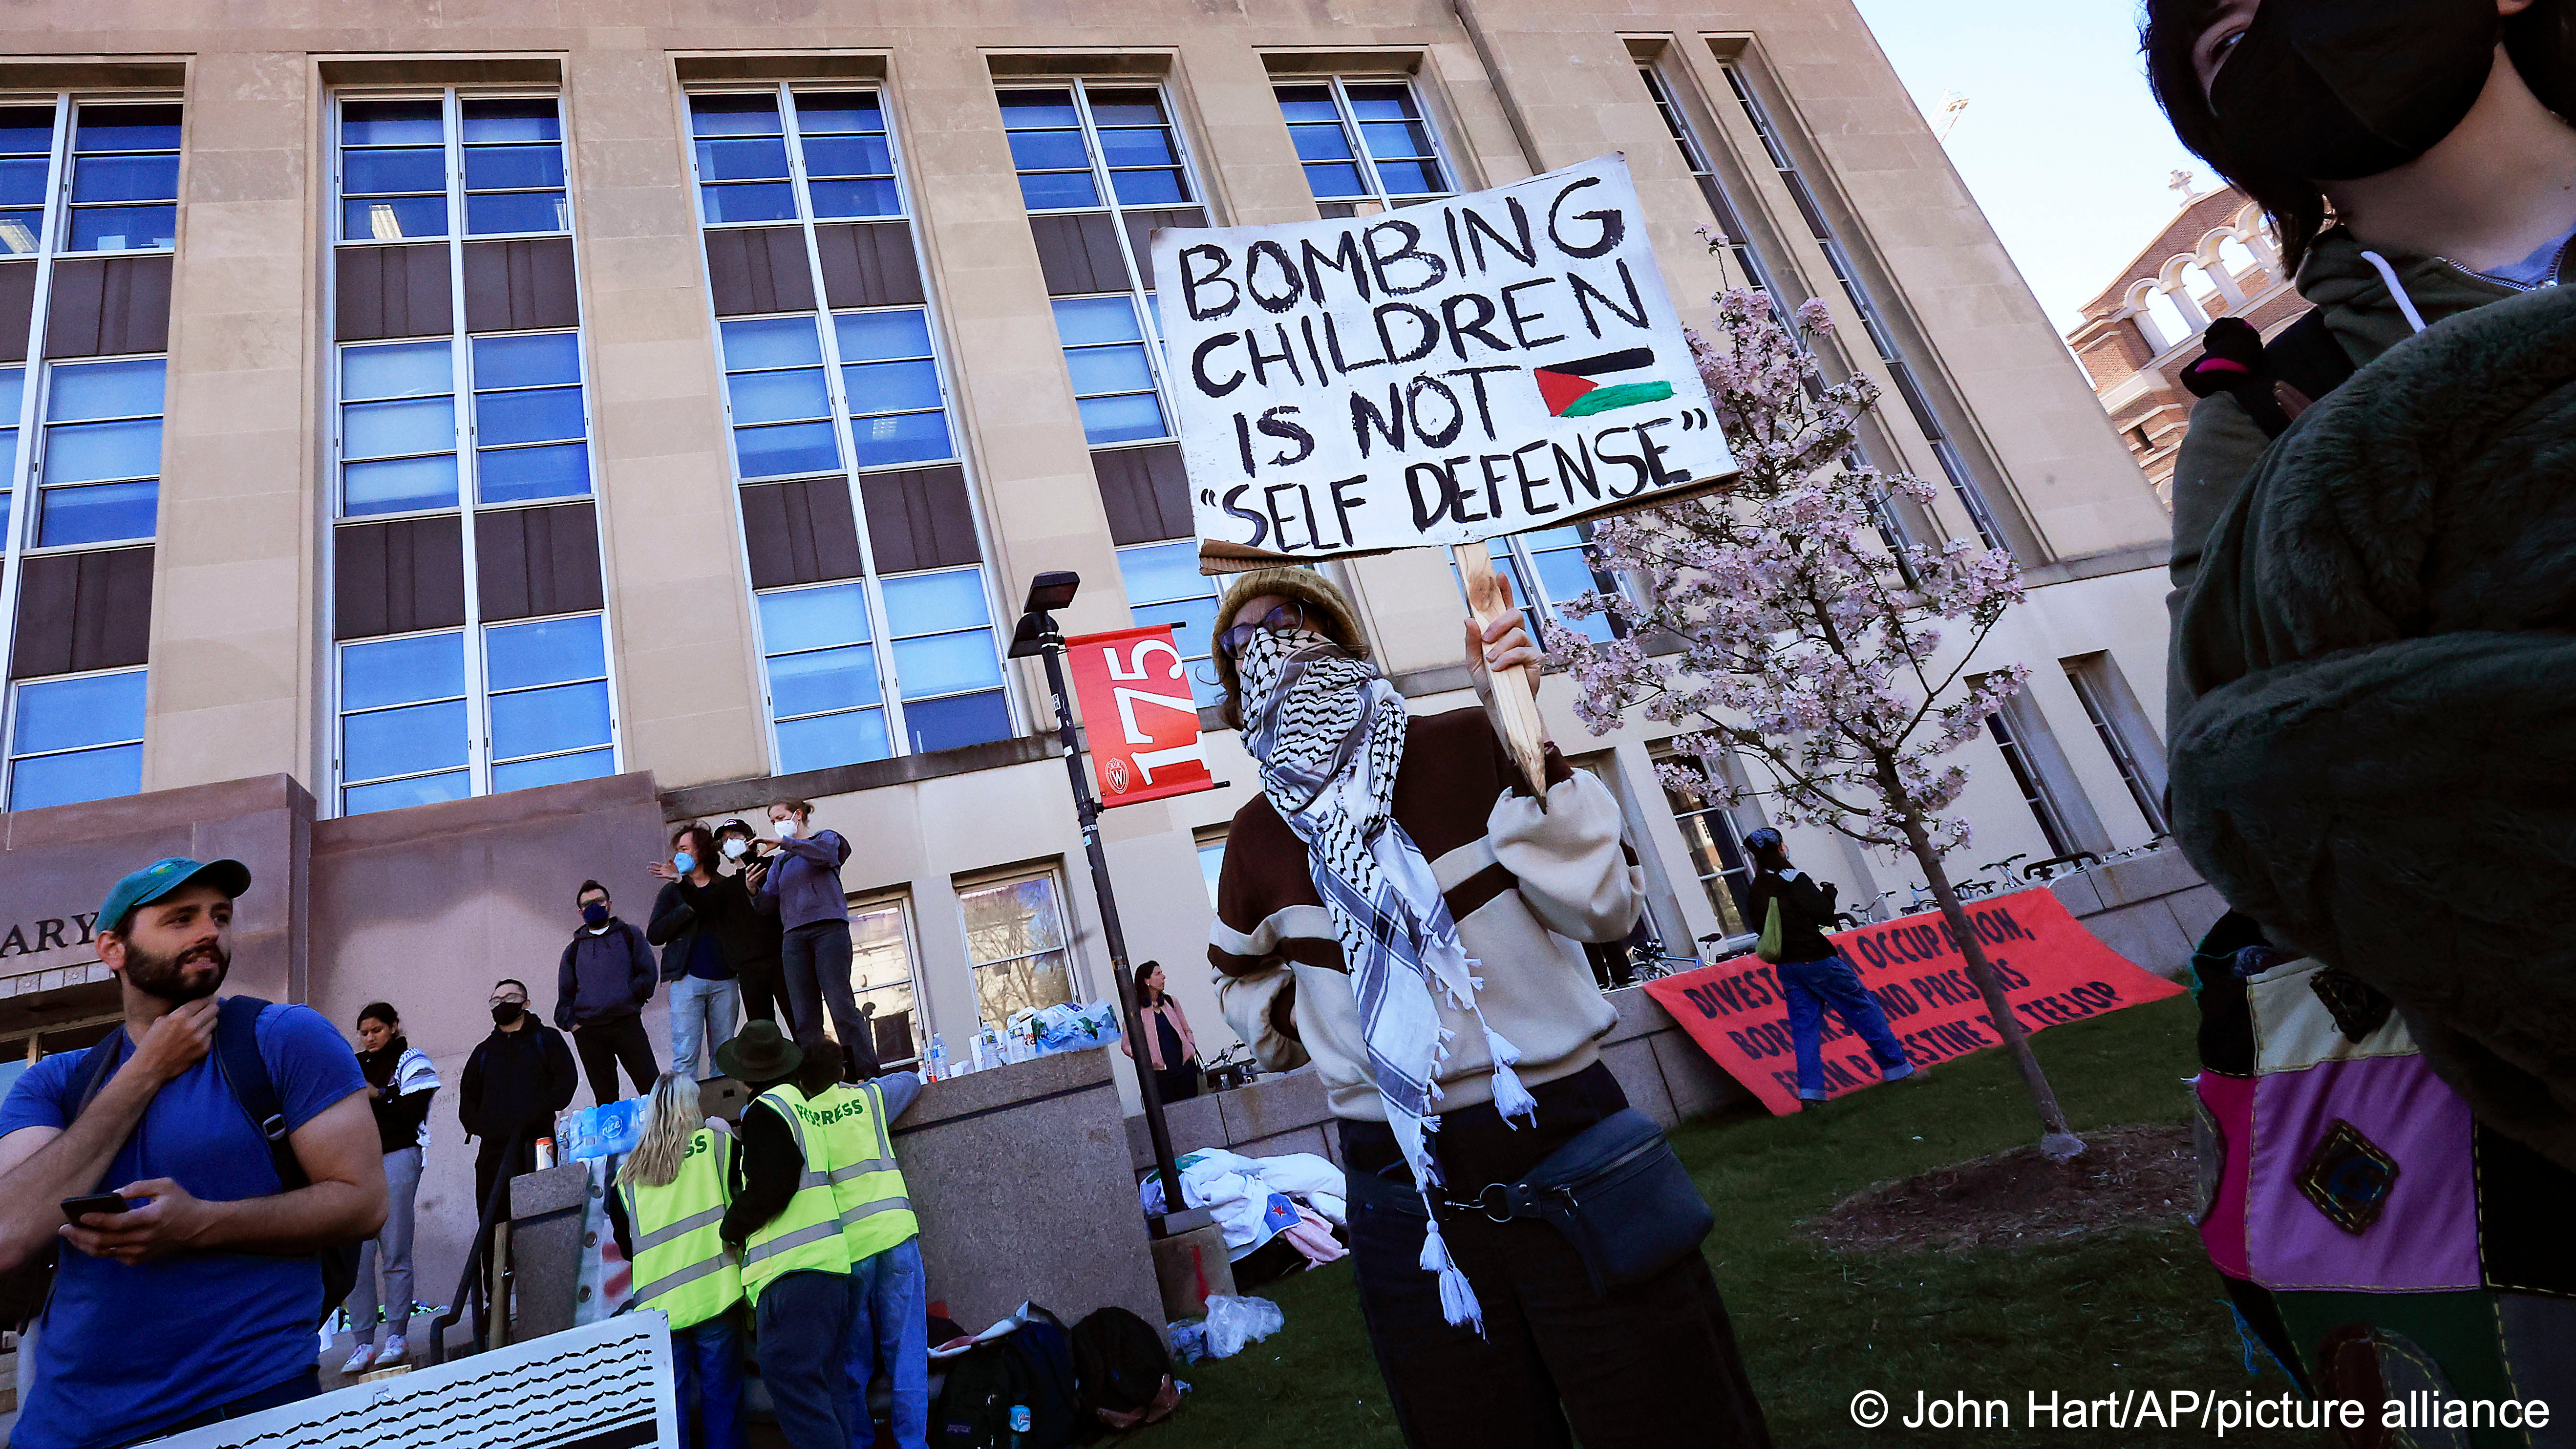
column 2372, row 712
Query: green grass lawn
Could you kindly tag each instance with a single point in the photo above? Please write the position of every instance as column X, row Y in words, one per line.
column 2091, row 1316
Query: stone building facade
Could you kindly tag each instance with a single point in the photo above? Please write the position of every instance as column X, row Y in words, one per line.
column 2213, row 260
column 453, row 442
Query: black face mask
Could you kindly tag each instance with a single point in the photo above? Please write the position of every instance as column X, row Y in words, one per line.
column 503, row 1013
column 2330, row 90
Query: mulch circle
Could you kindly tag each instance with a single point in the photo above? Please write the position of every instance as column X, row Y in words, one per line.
column 2128, row 1176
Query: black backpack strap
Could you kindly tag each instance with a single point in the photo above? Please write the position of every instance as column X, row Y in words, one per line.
column 98, row 1066
column 246, row 1072
column 2273, row 381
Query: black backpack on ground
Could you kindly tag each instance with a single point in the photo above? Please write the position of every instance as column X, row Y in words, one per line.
column 1122, row 1369
column 237, row 1060
column 1031, row 1367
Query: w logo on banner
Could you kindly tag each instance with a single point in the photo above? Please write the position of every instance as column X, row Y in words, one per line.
column 1575, row 390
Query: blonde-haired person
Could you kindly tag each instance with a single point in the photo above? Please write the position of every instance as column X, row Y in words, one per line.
column 676, row 1177
column 803, row 885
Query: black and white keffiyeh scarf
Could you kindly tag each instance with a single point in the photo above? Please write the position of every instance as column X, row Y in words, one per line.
column 1329, row 733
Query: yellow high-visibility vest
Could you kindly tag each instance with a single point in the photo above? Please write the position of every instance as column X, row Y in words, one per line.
column 681, row 1266
column 806, row 1236
column 876, row 1207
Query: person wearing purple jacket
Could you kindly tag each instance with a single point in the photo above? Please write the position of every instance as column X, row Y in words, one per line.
column 804, row 885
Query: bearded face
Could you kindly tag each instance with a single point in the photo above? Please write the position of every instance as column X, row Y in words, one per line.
column 193, row 974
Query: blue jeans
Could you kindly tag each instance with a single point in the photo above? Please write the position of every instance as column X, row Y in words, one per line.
column 890, row 1327
column 1811, row 986
column 709, row 1370
column 703, row 1014
column 803, row 1319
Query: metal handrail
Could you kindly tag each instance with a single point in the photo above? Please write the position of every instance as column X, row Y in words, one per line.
column 469, row 1286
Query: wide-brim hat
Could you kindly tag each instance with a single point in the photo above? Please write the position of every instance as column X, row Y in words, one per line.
column 1303, row 585
column 759, row 1053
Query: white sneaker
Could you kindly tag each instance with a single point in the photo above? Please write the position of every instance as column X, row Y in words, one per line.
column 359, row 1359
column 394, row 1352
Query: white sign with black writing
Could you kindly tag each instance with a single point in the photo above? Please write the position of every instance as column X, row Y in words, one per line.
column 1443, row 373
column 601, row 1386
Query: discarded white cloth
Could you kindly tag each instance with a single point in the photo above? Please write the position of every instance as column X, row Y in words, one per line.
column 1252, row 1198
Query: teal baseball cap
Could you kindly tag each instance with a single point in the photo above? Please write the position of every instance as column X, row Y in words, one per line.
column 163, row 876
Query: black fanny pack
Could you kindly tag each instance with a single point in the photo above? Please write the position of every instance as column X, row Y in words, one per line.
column 1616, row 1191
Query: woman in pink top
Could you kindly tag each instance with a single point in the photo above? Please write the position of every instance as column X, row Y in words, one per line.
column 1169, row 1046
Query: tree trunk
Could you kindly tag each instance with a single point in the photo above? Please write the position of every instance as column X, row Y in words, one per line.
column 2056, row 1139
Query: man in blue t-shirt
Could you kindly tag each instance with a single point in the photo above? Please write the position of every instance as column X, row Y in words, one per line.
column 199, row 1303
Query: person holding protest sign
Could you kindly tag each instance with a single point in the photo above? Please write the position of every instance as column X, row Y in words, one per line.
column 1491, row 1326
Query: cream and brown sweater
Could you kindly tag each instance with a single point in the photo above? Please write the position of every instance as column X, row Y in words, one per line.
column 1526, row 885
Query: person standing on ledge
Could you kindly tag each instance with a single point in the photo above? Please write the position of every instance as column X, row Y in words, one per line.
column 606, row 975
column 804, row 885
column 199, row 1303
column 1405, row 863
column 1813, row 975
column 400, row 1083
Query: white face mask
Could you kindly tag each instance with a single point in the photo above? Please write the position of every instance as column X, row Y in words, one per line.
column 787, row 828
column 734, row 849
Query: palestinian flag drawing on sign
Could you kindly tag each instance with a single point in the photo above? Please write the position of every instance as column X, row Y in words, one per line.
column 1578, row 389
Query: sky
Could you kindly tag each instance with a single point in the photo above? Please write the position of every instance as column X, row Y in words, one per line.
column 2061, row 143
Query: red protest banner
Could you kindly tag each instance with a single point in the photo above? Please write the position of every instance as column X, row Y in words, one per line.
column 2052, row 970
column 1142, row 724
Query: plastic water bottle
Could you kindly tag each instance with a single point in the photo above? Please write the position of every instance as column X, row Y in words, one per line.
column 1019, row 1423
column 976, row 1048
column 938, row 1057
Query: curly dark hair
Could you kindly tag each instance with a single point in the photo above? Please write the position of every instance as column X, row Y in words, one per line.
column 2293, row 204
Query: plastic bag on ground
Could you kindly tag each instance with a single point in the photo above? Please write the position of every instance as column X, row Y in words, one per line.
column 1234, row 1322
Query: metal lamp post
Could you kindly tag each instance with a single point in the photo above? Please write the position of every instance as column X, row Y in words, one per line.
column 1039, row 637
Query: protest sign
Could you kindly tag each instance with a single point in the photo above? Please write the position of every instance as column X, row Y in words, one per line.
column 1141, row 722
column 2052, row 970
column 1438, row 374
column 602, row 1386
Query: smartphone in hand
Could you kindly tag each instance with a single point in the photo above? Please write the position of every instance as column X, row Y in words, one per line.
column 97, row 1202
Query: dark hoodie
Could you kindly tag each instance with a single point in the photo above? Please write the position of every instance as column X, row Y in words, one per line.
column 603, row 975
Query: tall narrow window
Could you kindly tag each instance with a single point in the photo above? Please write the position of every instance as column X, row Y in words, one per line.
column 469, row 643
column 867, row 566
column 1717, row 851
column 2032, row 784
column 1550, row 568
column 89, row 192
column 1017, row 946
column 2125, row 733
column 882, row 974
column 1101, row 166
column 1873, row 322
column 1212, row 862
column 1366, row 145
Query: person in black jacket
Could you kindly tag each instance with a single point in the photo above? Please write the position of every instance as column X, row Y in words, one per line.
column 762, row 936
column 606, row 975
column 1813, row 976
column 518, row 1078
column 704, row 924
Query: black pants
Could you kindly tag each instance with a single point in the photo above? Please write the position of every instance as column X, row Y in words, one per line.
column 814, row 964
column 498, row 1160
column 1653, row 1364
column 602, row 1045
column 760, row 991
column 1177, row 1084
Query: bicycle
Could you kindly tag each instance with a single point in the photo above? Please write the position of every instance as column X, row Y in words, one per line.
column 1647, row 961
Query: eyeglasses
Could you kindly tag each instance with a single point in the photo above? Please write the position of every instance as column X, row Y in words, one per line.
column 1288, row 618
column 514, row 1000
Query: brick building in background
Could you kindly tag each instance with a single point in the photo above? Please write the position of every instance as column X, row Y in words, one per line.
column 2212, row 260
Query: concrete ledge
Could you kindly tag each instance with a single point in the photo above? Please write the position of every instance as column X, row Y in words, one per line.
column 732, row 797
column 2098, row 565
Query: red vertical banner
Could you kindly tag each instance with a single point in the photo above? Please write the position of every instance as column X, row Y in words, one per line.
column 1137, row 710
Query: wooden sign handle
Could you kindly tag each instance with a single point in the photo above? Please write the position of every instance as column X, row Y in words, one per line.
column 1515, row 706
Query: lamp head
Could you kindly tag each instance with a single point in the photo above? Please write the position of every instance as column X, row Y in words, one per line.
column 1049, row 592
